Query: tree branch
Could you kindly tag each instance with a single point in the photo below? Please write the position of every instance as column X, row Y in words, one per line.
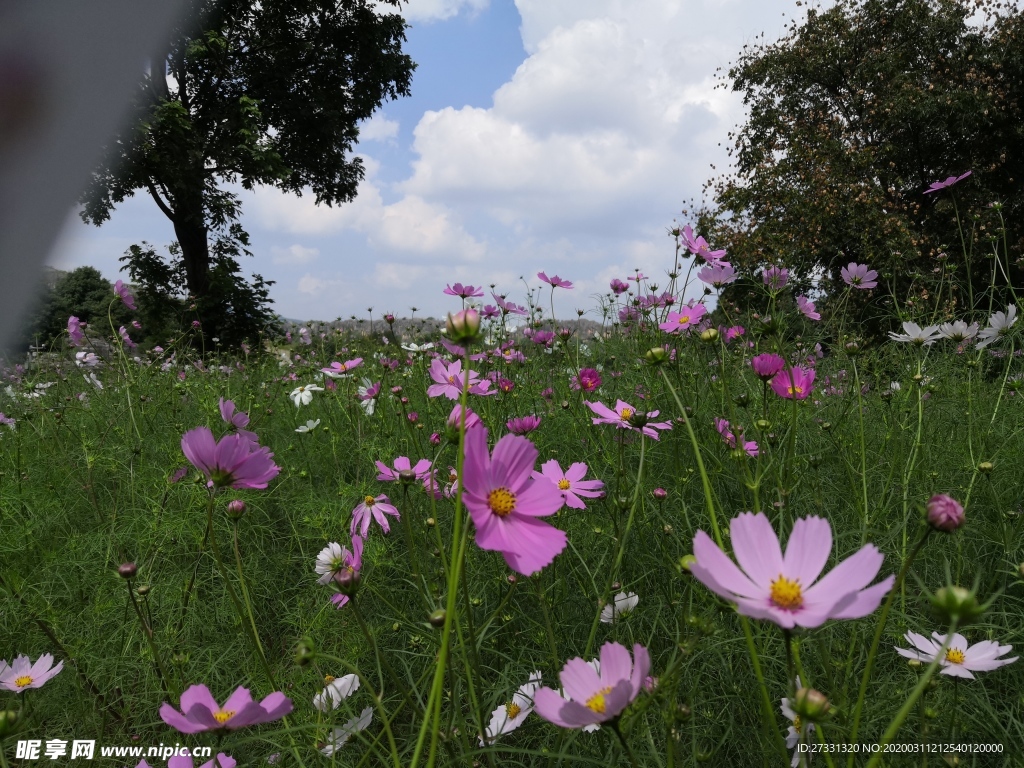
column 165, row 207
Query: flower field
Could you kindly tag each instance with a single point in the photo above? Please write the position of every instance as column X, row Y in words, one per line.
column 686, row 537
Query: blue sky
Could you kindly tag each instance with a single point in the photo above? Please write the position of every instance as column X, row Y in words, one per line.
column 555, row 135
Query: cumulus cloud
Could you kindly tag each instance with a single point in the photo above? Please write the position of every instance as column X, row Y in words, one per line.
column 439, row 10
column 293, row 254
column 378, row 128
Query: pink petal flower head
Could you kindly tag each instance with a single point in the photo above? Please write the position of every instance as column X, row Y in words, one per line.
column 960, row 658
column 698, row 246
column 75, row 333
column 684, row 319
column 937, row 186
column 806, row 307
column 505, row 501
column 508, row 307
column 730, row 435
column 220, row 761
column 570, row 483
column 587, row 380
column 618, row 287
column 945, row 513
column 775, row 278
column 523, row 425
column 718, row 274
column 625, row 416
column 237, row 420
column 123, row 332
column 402, row 464
column 463, row 291
column 859, row 276
column 336, row 563
column 201, row 712
column 787, row 590
column 767, row 365
column 793, row 384
column 234, row 462
column 555, row 281
column 375, row 508
column 338, row 369
column 592, row 697
column 449, row 380
column 452, row 425
column 122, row 290
column 22, row 674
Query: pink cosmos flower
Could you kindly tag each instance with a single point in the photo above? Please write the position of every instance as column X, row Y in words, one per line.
column 718, row 274
column 376, row 508
column 523, row 425
column 684, row 319
column 733, row 332
column 237, row 420
column 335, row 560
column 699, row 246
column 587, row 380
column 220, row 761
column 767, row 365
column 75, row 331
column 235, row 461
column 201, row 712
column 490, row 312
column 122, row 290
column 123, row 332
column 775, row 278
column 859, row 276
column 625, row 416
column 505, row 502
column 806, row 306
column 731, row 435
column 402, row 464
column 555, row 281
column 508, row 307
column 463, row 291
column 570, row 483
column 618, row 287
column 793, row 384
column 337, row 370
column 787, row 590
column 936, row 186
column 22, row 674
column 543, row 338
column 961, row 658
column 449, row 380
column 454, row 421
column 595, row 697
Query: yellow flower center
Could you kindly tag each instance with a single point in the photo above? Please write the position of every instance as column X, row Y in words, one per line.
column 795, row 390
column 625, row 414
column 223, row 716
column 21, row 682
column 797, row 723
column 596, row 702
column 451, row 379
column 512, row 710
column 501, row 501
column 563, row 484
column 452, row 475
column 955, row 656
column 328, row 679
column 369, row 500
column 684, row 319
column 786, row 594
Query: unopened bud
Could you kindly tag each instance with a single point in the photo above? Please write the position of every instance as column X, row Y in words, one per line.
column 127, row 570
column 304, row 652
column 986, row 467
column 464, row 326
column 656, row 355
column 945, row 513
column 710, row 335
column 407, row 476
column 8, row 722
column 686, row 563
column 952, row 603
column 437, row 617
column 143, row 589
column 660, row 494
column 811, row 704
column 637, row 419
column 236, row 508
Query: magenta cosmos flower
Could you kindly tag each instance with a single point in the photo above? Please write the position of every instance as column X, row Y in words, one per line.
column 685, row 318
column 859, row 276
column 555, row 281
column 787, row 590
column 234, row 461
column 449, row 380
column 793, row 384
column 505, row 501
column 937, row 186
column 618, row 287
column 698, row 246
column 201, row 712
column 237, row 421
column 806, row 307
column 625, row 416
column 77, row 336
column 718, row 274
column 375, row 508
column 22, row 674
column 570, row 483
column 767, row 365
column 775, row 278
column 588, row 380
column 730, row 435
column 402, row 464
column 122, row 291
column 523, row 425
column 594, row 697
column 463, row 291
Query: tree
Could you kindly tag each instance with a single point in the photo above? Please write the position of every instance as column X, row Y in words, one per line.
column 257, row 93
column 84, row 293
column 852, row 115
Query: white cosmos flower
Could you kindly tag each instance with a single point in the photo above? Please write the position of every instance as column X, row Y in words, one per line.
column 958, row 331
column 796, row 732
column 998, row 325
column 91, row 378
column 622, row 605
column 87, row 359
column 417, row 348
column 309, row 426
column 337, row 690
column 508, row 717
column 329, row 562
column 304, row 395
column 339, row 736
column 961, row 658
column 916, row 334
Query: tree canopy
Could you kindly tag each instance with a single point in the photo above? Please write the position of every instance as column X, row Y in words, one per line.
column 250, row 93
column 853, row 114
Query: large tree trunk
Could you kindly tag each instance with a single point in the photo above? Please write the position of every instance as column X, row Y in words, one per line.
column 195, row 253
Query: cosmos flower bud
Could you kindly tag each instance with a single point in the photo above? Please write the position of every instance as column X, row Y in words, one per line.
column 304, row 652
column 986, row 467
column 464, row 326
column 236, row 508
column 127, row 570
column 407, row 476
column 8, row 722
column 656, row 355
column 637, row 419
column 686, row 562
column 710, row 335
column 945, row 513
column 660, row 494
column 389, row 319
column 811, row 704
column 437, row 617
column 143, row 590
column 952, row 603
column 347, row 580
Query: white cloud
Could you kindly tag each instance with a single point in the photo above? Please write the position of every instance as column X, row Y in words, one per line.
column 293, row 254
column 439, row 10
column 378, row 128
